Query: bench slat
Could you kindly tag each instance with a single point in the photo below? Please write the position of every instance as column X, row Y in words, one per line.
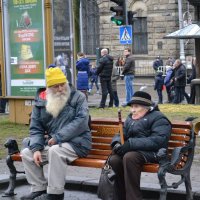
column 180, row 138
column 100, row 152
column 16, row 157
column 89, row 162
column 180, row 131
column 150, row 167
column 101, row 147
column 181, row 124
column 176, row 144
column 101, row 140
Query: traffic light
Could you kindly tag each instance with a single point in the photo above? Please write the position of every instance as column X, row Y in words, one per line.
column 119, row 18
column 131, row 17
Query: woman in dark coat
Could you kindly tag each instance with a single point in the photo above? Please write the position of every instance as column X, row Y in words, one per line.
column 146, row 130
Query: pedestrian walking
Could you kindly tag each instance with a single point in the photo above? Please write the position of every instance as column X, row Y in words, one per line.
column 179, row 81
column 114, row 78
column 128, row 72
column 157, row 63
column 167, row 82
column 104, row 70
column 189, row 81
column 159, row 82
column 93, row 78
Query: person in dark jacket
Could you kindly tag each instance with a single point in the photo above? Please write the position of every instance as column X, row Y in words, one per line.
column 59, row 134
column 83, row 71
column 104, row 71
column 115, row 77
column 179, row 81
column 159, row 82
column 128, row 72
column 192, row 86
column 146, row 130
column 157, row 63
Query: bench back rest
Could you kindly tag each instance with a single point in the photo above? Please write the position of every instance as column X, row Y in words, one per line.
column 104, row 130
column 102, row 134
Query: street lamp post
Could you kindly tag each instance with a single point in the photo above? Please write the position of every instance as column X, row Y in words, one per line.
column 180, row 14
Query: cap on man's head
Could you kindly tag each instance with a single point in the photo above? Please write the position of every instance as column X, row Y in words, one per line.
column 54, row 76
column 141, row 98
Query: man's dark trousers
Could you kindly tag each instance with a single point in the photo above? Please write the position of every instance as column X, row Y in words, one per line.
column 106, row 88
column 128, row 170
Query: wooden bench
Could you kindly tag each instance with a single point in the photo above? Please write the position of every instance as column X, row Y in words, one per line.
column 180, row 152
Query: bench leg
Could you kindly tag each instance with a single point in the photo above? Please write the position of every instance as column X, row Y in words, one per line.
column 163, row 185
column 12, row 180
column 188, row 186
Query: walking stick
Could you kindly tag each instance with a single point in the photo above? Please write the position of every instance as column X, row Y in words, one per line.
column 120, row 127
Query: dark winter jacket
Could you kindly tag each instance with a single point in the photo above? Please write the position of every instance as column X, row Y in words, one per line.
column 70, row 126
column 159, row 81
column 105, row 67
column 180, row 75
column 147, row 135
column 129, row 66
column 193, row 74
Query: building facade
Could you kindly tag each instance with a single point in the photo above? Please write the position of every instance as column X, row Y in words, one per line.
column 155, row 19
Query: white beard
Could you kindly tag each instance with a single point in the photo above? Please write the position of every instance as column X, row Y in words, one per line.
column 56, row 101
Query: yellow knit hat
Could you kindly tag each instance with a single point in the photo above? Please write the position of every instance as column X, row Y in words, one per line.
column 54, row 76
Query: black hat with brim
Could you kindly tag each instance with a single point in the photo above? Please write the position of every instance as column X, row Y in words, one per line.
column 141, row 98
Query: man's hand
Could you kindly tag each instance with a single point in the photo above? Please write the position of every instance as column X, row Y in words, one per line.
column 37, row 157
column 51, row 142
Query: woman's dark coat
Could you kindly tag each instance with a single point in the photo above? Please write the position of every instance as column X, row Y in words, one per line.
column 146, row 135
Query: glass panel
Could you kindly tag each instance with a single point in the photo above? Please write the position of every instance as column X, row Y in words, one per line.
column 61, row 30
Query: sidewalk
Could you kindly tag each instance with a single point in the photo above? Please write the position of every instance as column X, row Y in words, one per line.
column 146, row 83
column 86, row 179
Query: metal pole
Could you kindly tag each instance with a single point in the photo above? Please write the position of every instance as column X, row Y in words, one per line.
column 81, row 24
column 125, row 12
column 182, row 52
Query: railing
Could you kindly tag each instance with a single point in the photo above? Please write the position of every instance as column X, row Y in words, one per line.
column 139, row 71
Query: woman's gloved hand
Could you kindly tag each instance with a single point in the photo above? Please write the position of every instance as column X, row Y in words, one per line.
column 121, row 150
column 116, row 146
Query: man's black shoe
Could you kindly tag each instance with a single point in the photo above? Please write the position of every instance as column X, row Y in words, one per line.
column 33, row 195
column 55, row 197
column 101, row 107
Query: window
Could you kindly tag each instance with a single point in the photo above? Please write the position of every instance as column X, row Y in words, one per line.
column 140, row 41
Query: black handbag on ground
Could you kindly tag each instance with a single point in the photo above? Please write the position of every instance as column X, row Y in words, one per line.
column 106, row 182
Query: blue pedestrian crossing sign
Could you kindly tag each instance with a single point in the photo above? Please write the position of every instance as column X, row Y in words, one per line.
column 125, row 34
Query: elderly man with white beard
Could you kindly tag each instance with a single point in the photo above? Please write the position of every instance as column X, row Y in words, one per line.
column 59, row 134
